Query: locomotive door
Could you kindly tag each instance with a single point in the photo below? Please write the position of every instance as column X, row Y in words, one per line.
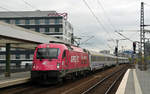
column 65, row 59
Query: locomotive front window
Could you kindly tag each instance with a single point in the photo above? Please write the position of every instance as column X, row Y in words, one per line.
column 47, row 53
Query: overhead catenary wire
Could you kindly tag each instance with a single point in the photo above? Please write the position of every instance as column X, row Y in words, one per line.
column 108, row 19
column 124, row 36
column 30, row 5
column 12, row 12
column 97, row 19
column 4, row 8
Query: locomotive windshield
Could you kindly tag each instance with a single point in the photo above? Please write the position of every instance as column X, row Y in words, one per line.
column 47, row 53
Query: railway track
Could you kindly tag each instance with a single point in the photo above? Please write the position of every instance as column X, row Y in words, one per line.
column 107, row 84
column 69, row 87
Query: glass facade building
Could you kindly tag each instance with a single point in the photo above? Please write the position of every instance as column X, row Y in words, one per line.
column 45, row 22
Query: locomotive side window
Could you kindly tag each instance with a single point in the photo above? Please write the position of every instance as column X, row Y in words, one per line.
column 64, row 54
column 47, row 53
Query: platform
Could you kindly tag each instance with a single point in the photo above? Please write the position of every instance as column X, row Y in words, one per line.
column 16, row 78
column 135, row 82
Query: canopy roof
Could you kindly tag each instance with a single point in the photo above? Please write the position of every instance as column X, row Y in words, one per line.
column 22, row 38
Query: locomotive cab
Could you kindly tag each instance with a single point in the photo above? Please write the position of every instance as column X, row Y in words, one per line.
column 48, row 63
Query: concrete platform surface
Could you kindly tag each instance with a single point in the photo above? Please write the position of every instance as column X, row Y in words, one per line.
column 135, row 82
column 16, row 78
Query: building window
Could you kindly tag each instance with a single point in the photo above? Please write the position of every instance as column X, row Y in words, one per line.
column 7, row 21
column 12, row 21
column 33, row 29
column 12, row 57
column 32, row 22
column 60, row 21
column 56, row 29
column 46, row 29
column 61, row 38
column 27, row 56
column 65, row 32
column 52, row 21
column 60, row 29
column 17, row 56
column 51, row 29
column 31, row 56
column 46, row 21
column 17, row 21
column 27, row 27
column 42, row 30
column 22, row 21
column 2, row 56
column 41, row 21
column 37, row 29
column 56, row 21
column 37, row 22
column 27, row 21
column 22, row 56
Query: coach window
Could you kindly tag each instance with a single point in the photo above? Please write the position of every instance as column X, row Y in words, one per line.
column 103, row 58
column 91, row 58
column 106, row 58
column 94, row 58
column 99, row 59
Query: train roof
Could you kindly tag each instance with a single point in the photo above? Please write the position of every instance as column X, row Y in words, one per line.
column 101, row 54
column 105, row 55
column 63, row 46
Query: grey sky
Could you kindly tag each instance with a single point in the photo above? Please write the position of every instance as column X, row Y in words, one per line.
column 123, row 14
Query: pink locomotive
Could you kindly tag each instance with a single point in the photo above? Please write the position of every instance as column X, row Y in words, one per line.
column 55, row 61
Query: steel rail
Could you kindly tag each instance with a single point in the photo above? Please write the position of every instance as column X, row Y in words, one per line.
column 113, row 84
column 101, row 81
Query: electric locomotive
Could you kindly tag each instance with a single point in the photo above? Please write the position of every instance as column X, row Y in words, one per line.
column 54, row 61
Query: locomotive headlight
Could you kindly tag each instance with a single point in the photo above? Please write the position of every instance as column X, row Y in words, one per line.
column 62, row 62
column 34, row 66
column 58, row 65
column 44, row 63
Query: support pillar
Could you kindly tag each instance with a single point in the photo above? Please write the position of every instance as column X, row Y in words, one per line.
column 7, row 71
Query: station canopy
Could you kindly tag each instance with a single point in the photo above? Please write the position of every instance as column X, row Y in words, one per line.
column 19, row 37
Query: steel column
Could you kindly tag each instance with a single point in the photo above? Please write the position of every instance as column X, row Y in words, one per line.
column 7, row 71
column 142, row 62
